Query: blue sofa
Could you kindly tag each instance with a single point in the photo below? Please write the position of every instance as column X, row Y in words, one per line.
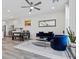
column 49, row 35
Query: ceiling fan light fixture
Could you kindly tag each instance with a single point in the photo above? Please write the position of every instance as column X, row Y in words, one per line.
column 9, row 11
column 31, row 7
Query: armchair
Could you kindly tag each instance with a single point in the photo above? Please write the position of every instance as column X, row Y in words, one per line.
column 60, row 42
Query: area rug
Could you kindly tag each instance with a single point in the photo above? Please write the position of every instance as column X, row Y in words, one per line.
column 43, row 51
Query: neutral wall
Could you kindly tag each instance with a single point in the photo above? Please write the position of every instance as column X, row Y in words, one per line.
column 72, row 16
column 60, row 23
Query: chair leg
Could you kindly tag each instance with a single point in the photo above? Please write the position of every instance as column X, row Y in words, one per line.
column 12, row 38
column 21, row 38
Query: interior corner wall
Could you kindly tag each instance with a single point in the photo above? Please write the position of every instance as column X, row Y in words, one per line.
column 72, row 16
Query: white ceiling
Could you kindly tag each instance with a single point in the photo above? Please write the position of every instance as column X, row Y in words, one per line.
column 12, row 8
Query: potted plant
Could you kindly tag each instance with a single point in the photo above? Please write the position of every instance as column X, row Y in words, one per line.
column 71, row 35
column 72, row 45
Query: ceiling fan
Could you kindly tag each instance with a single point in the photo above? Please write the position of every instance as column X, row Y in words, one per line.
column 32, row 5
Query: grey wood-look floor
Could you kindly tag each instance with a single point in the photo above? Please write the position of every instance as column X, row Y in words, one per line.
column 9, row 52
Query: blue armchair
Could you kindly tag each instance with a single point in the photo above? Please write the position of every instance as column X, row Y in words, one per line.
column 60, row 42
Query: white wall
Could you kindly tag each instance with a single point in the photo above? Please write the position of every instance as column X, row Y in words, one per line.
column 72, row 16
column 60, row 23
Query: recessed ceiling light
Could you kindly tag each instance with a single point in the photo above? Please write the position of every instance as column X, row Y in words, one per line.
column 53, row 7
column 9, row 11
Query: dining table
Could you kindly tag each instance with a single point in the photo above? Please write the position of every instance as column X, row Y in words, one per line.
column 20, row 35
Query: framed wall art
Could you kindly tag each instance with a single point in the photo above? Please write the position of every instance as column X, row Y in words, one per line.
column 27, row 22
column 47, row 23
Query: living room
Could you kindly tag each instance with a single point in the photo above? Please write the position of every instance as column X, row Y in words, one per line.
column 46, row 16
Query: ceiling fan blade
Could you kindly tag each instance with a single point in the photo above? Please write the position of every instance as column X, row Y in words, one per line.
column 37, row 3
column 28, row 2
column 25, row 6
column 30, row 10
column 37, row 8
column 31, row 3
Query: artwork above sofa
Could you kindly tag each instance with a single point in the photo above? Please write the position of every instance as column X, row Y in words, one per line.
column 47, row 23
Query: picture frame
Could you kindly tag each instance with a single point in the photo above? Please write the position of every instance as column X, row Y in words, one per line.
column 27, row 22
column 47, row 23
